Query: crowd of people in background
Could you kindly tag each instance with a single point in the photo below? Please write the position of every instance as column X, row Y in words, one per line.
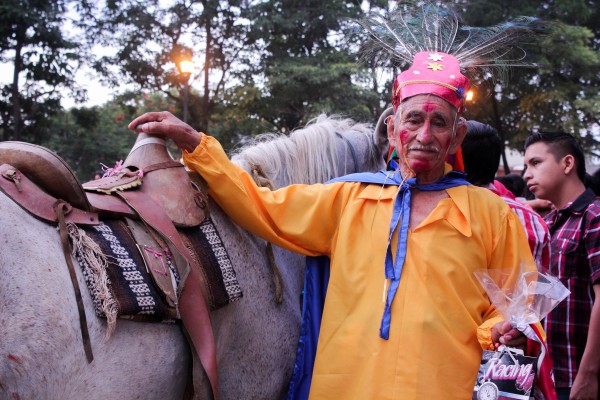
column 556, row 185
column 517, row 186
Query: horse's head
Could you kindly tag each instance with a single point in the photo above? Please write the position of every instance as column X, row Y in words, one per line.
column 366, row 150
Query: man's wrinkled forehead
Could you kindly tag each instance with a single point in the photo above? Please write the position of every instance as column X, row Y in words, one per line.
column 428, row 103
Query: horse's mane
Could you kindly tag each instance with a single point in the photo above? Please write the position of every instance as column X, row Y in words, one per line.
column 306, row 155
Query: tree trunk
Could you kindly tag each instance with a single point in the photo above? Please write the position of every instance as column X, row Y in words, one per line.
column 16, row 96
column 205, row 112
column 498, row 123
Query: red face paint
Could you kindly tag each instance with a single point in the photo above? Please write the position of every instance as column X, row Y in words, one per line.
column 420, row 165
column 403, row 136
column 428, row 107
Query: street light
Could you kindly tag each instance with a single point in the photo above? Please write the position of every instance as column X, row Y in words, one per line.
column 186, row 67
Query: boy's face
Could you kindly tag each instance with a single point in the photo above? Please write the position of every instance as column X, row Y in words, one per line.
column 544, row 175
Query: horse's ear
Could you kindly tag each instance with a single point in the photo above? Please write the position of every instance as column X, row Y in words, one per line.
column 381, row 134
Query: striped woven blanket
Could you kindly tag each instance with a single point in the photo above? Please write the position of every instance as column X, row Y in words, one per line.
column 131, row 285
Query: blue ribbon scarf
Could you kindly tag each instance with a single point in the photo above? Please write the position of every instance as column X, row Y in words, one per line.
column 401, row 215
column 317, row 270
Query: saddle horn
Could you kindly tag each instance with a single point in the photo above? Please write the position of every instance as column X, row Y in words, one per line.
column 165, row 180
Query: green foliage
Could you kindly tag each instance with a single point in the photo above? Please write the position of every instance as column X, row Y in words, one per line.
column 86, row 138
column 577, row 59
column 229, row 124
column 564, row 92
column 307, row 70
column 268, row 65
column 309, row 86
column 152, row 37
column 44, row 60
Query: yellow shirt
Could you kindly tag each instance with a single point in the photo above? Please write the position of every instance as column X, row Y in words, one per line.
column 441, row 316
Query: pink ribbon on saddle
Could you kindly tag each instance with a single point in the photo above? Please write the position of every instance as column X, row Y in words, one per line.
column 118, row 168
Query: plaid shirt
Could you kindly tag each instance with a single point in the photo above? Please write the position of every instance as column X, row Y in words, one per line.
column 535, row 227
column 575, row 260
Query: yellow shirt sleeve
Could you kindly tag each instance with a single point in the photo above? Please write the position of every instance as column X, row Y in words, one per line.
column 510, row 258
column 300, row 218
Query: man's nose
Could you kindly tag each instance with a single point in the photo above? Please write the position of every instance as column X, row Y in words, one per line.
column 425, row 135
column 527, row 174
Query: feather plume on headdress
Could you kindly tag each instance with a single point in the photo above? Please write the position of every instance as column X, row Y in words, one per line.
column 394, row 40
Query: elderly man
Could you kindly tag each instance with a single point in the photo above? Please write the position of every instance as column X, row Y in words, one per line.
column 404, row 317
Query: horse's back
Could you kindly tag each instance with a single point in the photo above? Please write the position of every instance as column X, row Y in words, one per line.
column 41, row 347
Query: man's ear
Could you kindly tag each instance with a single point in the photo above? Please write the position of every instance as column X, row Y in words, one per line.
column 568, row 162
column 381, row 133
column 390, row 131
column 461, row 132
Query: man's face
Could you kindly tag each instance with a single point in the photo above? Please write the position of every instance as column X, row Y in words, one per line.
column 544, row 174
column 425, row 135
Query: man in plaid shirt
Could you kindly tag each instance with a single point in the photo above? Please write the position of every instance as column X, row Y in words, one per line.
column 481, row 150
column 556, row 172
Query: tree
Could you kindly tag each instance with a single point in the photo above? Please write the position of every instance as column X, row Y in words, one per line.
column 150, row 38
column 89, row 137
column 308, row 68
column 564, row 92
column 44, row 61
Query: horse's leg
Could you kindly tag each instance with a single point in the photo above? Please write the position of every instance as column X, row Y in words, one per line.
column 40, row 340
column 256, row 337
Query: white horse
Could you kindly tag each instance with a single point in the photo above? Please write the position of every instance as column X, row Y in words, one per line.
column 256, row 338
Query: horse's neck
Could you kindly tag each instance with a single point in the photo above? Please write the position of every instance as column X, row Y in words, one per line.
column 283, row 170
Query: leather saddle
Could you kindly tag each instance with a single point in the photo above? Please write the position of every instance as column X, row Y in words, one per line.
column 148, row 170
column 163, row 198
column 150, row 186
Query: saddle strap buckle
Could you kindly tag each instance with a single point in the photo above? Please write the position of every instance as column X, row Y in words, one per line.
column 13, row 175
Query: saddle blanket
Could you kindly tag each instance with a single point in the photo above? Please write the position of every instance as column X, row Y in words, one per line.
column 131, row 284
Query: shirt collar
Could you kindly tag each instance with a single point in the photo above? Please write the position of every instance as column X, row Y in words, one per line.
column 457, row 212
column 459, row 216
column 454, row 210
column 581, row 202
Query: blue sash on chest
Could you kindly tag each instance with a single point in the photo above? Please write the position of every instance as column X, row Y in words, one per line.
column 316, row 276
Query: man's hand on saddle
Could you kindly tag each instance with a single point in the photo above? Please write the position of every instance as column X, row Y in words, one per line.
column 165, row 124
column 504, row 333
